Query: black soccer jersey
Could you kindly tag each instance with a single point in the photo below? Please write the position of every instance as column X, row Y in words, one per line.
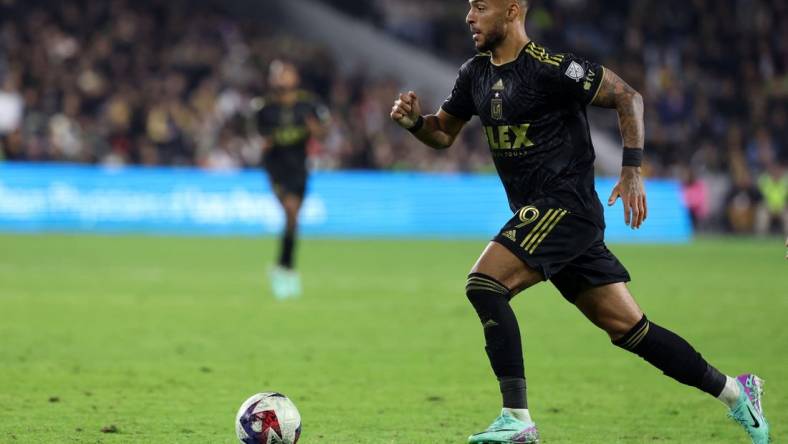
column 533, row 110
column 286, row 126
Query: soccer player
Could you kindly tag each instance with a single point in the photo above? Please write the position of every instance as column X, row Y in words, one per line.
column 286, row 121
column 532, row 104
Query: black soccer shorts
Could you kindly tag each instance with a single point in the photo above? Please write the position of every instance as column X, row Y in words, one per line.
column 287, row 177
column 568, row 249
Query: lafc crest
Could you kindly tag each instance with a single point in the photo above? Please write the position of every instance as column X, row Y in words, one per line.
column 496, row 103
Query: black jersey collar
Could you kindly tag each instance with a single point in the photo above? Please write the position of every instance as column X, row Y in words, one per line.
column 522, row 50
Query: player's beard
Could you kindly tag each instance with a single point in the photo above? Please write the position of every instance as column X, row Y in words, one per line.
column 493, row 39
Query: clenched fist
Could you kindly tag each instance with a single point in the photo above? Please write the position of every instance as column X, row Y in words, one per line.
column 406, row 110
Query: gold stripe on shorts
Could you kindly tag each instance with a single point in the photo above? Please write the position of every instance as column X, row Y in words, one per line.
column 547, row 231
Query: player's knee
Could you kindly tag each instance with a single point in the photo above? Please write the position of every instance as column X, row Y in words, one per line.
column 620, row 326
column 291, row 210
column 479, row 288
column 628, row 335
column 291, row 216
column 615, row 328
column 616, row 331
column 291, row 220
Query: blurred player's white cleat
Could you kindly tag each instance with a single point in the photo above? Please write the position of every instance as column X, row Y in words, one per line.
column 293, row 283
column 280, row 282
column 285, row 283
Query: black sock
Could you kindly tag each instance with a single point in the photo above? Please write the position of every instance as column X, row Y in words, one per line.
column 673, row 355
column 513, row 392
column 286, row 253
column 490, row 298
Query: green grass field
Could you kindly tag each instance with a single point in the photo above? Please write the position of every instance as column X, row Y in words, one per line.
column 164, row 338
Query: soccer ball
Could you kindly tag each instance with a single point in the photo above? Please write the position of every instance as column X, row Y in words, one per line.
column 268, row 418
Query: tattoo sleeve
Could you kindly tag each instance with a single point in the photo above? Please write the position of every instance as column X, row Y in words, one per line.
column 616, row 93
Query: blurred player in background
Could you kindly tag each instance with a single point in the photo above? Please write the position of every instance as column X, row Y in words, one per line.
column 532, row 103
column 287, row 118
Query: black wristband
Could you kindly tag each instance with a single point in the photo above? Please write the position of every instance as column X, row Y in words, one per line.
column 633, row 157
column 417, row 126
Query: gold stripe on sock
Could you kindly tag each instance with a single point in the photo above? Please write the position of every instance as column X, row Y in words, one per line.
column 635, row 336
column 487, row 287
column 483, row 279
column 487, row 283
column 640, row 337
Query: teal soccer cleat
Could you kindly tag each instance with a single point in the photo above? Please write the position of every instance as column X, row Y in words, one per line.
column 748, row 411
column 284, row 283
column 506, row 429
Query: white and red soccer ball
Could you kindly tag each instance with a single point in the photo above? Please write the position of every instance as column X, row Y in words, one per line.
column 268, row 418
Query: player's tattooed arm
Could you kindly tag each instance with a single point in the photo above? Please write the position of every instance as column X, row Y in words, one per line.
column 616, row 93
column 436, row 130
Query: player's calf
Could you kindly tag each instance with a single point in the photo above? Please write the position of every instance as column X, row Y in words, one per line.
column 490, row 299
column 673, row 355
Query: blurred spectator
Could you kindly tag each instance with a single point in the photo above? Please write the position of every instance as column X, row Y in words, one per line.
column 696, row 197
column 741, row 203
column 743, row 197
column 773, row 210
column 11, row 106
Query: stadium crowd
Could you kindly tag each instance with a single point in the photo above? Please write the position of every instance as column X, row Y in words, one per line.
column 714, row 75
column 158, row 82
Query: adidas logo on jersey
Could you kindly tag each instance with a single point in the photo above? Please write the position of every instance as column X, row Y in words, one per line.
column 510, row 235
